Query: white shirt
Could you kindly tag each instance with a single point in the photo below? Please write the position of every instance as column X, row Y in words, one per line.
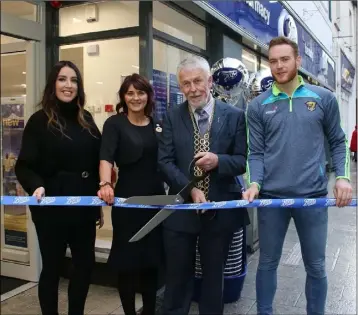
column 209, row 107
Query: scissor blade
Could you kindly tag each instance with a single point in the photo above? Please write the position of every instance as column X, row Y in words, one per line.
column 152, row 223
column 156, row 200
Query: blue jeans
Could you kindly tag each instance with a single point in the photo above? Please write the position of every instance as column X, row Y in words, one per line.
column 311, row 226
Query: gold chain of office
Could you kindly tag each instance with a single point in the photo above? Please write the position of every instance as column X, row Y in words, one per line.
column 201, row 144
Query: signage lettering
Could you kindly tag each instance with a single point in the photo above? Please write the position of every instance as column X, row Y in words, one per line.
column 308, row 51
column 13, row 122
column 261, row 10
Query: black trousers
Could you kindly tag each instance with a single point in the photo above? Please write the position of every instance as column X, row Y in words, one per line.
column 53, row 237
column 143, row 281
column 180, row 254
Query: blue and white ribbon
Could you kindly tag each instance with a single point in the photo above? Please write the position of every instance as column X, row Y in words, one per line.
column 120, row 202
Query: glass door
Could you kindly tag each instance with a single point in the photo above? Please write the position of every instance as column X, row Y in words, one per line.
column 19, row 249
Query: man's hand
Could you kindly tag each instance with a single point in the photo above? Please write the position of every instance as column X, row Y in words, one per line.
column 251, row 193
column 198, row 197
column 343, row 192
column 207, row 160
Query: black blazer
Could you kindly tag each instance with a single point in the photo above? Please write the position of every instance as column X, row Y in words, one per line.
column 122, row 141
column 228, row 141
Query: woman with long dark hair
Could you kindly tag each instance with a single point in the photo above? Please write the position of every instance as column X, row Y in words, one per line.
column 129, row 141
column 59, row 156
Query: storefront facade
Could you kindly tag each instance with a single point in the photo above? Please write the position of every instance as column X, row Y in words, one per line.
column 109, row 40
column 22, row 81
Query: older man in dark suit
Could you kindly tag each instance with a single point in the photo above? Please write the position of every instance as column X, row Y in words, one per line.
column 215, row 133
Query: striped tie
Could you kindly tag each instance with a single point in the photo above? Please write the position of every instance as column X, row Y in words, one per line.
column 203, row 121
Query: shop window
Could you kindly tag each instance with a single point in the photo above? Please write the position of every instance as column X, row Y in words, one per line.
column 264, row 64
column 20, row 9
column 175, row 24
column 249, row 60
column 103, row 65
column 13, row 103
column 249, row 43
column 165, row 61
column 108, row 15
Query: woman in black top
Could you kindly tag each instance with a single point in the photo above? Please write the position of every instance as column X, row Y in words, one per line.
column 129, row 140
column 59, row 157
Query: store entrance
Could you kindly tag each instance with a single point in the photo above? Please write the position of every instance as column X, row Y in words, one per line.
column 20, row 259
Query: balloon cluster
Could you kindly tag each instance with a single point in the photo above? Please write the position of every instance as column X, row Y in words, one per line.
column 259, row 82
column 231, row 80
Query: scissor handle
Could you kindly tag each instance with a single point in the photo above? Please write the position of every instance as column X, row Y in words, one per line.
column 185, row 192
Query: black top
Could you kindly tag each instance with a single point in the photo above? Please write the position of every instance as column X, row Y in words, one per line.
column 55, row 161
column 139, row 177
column 134, row 149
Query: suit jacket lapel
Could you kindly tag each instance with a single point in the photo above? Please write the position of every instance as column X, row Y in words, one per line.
column 185, row 116
column 218, row 121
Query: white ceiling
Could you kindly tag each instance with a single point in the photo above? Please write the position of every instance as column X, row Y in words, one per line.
column 13, row 65
column 12, row 68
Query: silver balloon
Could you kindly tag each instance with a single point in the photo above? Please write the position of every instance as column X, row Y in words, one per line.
column 230, row 79
column 259, row 82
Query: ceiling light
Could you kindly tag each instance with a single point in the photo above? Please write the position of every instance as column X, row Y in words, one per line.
column 23, row 72
column 99, row 82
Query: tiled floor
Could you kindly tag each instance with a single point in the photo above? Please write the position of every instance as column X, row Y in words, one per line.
column 101, row 300
column 290, row 298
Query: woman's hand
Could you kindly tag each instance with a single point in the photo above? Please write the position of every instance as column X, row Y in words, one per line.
column 106, row 193
column 39, row 193
column 100, row 222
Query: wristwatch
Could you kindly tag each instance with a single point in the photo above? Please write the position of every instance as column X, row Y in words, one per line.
column 104, row 183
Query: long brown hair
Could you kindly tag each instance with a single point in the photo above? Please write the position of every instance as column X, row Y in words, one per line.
column 49, row 100
column 139, row 83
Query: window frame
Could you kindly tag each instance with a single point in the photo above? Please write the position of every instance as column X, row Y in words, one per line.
column 144, row 31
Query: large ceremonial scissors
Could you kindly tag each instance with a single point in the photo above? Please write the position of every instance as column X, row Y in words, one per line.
column 162, row 200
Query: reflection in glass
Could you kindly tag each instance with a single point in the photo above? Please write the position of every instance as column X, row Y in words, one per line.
column 103, row 72
column 264, row 64
column 13, row 98
column 165, row 61
column 250, row 61
column 173, row 23
column 99, row 16
column 20, row 9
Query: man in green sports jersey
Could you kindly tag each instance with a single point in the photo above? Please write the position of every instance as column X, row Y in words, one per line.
column 287, row 126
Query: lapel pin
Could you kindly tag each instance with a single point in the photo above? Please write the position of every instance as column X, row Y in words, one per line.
column 158, row 128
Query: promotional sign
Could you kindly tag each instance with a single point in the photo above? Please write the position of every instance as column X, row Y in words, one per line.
column 347, row 73
column 160, row 93
column 265, row 20
column 176, row 97
column 15, row 217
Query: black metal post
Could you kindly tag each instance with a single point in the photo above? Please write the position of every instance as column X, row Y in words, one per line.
column 146, row 39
